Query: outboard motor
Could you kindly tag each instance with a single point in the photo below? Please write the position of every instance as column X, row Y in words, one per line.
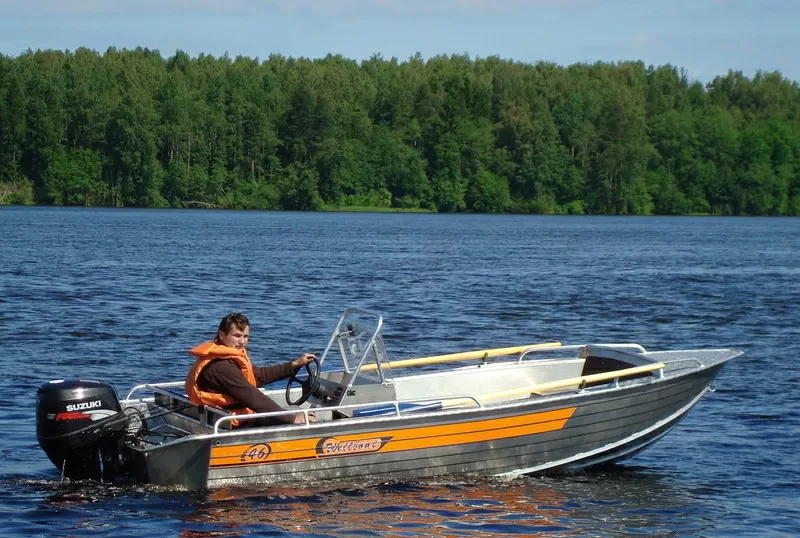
column 79, row 425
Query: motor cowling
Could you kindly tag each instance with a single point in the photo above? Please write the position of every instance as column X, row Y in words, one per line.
column 79, row 425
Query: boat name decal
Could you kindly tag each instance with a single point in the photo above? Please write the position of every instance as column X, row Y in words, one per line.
column 331, row 446
column 84, row 405
column 257, row 452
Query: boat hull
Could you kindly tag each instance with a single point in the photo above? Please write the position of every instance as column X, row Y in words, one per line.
column 542, row 435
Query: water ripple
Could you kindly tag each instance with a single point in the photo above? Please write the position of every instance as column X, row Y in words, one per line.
column 119, row 295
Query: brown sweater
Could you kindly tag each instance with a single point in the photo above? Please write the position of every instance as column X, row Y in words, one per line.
column 225, row 377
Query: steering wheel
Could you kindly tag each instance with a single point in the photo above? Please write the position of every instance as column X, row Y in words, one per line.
column 308, row 385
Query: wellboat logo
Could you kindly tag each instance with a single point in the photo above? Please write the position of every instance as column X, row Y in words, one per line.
column 331, row 446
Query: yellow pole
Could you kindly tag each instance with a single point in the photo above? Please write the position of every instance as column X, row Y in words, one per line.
column 559, row 383
column 466, row 355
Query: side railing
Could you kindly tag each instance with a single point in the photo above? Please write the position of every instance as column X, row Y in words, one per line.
column 159, row 388
column 541, row 348
column 393, row 407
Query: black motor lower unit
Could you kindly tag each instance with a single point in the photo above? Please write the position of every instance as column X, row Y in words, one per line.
column 79, row 425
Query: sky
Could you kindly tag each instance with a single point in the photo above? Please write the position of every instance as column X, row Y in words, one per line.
column 705, row 37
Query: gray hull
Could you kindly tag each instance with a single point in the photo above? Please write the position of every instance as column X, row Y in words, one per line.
column 563, row 433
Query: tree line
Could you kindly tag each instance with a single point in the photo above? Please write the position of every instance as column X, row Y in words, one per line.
column 129, row 128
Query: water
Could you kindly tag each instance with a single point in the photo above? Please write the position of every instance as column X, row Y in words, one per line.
column 119, row 295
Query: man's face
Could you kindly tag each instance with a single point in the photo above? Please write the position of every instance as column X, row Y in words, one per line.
column 236, row 337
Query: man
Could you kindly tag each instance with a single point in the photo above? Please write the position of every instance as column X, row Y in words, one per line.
column 224, row 376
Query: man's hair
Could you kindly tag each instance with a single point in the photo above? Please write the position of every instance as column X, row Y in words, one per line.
column 234, row 319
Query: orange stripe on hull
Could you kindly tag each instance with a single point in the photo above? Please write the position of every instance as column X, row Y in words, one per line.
column 385, row 441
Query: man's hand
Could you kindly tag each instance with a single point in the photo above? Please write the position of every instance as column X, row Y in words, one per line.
column 302, row 360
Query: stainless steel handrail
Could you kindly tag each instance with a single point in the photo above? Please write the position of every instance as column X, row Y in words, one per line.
column 305, row 411
column 637, row 347
column 151, row 386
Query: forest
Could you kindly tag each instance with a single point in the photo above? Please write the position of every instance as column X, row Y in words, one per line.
column 130, row 128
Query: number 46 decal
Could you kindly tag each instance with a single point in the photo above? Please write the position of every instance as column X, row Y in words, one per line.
column 258, row 452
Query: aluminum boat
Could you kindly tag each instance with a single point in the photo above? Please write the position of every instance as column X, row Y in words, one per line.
column 517, row 410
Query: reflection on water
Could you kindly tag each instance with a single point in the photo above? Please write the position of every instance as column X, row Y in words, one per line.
column 391, row 509
column 616, row 500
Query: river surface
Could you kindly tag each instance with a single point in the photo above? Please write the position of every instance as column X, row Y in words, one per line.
column 119, row 295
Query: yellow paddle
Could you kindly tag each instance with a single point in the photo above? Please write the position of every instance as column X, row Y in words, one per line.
column 557, row 384
column 466, row 355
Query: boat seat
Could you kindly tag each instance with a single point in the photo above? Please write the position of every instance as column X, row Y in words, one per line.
column 174, row 398
column 212, row 414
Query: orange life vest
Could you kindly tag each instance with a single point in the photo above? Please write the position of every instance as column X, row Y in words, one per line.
column 206, row 353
